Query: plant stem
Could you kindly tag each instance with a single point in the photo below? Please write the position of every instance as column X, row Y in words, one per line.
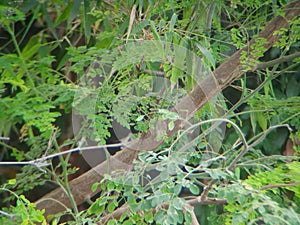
column 66, row 182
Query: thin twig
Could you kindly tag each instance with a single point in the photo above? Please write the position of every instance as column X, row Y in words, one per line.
column 4, row 138
column 259, row 140
column 206, row 190
column 7, row 214
column 155, row 72
column 52, row 136
column 131, row 20
column 274, row 62
column 208, row 201
column 270, row 186
column 232, row 165
column 210, row 15
column 265, row 133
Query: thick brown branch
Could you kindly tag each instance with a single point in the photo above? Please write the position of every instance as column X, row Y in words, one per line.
column 211, row 86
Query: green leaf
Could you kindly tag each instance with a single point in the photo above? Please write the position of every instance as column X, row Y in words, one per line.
column 123, row 217
column 111, row 206
column 112, row 222
column 110, row 186
column 207, row 54
column 48, row 20
column 149, row 217
column 95, row 186
column 178, row 66
column 171, row 125
column 96, row 208
column 75, row 11
column 194, row 189
column 140, row 118
column 103, row 186
column 155, row 33
column 88, row 20
column 253, row 121
column 177, row 203
column 128, row 222
column 230, row 197
column 177, row 189
column 216, row 173
column 173, row 21
column 12, row 181
column 262, row 120
column 180, row 216
column 65, row 14
column 31, row 47
column 140, row 27
column 188, row 218
column 159, row 217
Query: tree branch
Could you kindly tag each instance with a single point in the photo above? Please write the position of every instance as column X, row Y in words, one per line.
column 270, row 186
column 4, row 138
column 287, row 58
column 154, row 72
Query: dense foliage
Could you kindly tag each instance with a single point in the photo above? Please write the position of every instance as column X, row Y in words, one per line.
column 79, row 73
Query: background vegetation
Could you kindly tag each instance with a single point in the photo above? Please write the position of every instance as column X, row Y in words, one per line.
column 236, row 162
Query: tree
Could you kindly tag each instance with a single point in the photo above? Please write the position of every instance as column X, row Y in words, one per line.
column 149, row 69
